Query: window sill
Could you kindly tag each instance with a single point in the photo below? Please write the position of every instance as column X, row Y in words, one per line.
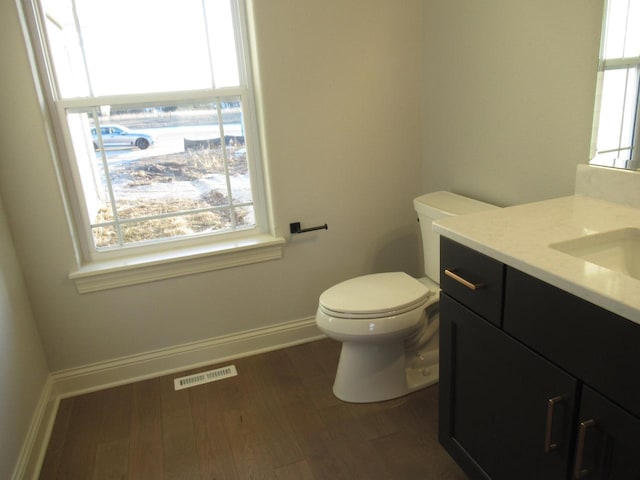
column 96, row 276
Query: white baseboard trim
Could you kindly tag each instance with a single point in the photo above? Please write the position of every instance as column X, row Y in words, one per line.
column 75, row 381
column 98, row 376
column 35, row 443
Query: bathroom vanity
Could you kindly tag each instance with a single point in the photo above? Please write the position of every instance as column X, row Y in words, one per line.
column 539, row 348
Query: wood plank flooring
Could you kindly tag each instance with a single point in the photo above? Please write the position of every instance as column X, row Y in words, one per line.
column 277, row 420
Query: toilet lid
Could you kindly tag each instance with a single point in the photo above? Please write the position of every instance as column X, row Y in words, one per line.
column 374, row 294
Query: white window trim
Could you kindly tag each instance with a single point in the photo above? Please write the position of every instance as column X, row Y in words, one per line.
column 166, row 259
column 149, row 267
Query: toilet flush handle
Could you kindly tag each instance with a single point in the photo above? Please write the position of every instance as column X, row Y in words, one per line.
column 451, row 273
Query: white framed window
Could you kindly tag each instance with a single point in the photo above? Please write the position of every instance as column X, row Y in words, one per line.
column 154, row 113
column 616, row 127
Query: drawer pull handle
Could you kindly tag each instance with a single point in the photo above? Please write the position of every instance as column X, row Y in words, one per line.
column 473, row 286
column 549, row 445
column 579, row 470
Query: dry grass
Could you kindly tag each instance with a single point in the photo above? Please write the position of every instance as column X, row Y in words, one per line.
column 185, row 166
column 182, row 166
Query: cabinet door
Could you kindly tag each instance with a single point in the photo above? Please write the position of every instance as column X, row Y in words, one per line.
column 607, row 444
column 505, row 412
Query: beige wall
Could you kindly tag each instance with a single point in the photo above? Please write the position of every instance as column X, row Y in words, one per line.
column 509, row 96
column 366, row 105
column 507, row 89
column 23, row 369
column 341, row 83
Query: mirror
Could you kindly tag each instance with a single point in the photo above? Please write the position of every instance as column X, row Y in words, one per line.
column 615, row 126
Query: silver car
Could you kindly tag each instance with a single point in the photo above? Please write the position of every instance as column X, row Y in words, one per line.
column 119, row 136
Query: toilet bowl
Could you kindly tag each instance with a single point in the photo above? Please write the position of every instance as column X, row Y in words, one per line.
column 388, row 322
column 378, row 318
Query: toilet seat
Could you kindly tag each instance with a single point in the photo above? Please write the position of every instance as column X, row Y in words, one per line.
column 374, row 296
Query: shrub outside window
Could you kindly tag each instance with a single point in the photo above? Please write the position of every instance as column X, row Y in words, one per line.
column 154, row 109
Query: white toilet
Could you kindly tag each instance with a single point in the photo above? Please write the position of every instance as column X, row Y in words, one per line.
column 388, row 322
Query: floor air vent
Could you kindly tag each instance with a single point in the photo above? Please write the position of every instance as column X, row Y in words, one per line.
column 204, row 377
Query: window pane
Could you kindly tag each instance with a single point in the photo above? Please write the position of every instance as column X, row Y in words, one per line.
column 157, row 161
column 236, row 152
column 632, row 47
column 244, row 216
column 175, row 226
column 222, row 43
column 617, row 109
column 141, row 46
column 239, row 175
column 622, row 36
column 105, row 236
column 155, row 47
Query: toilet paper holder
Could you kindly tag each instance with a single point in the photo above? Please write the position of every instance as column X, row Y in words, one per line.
column 295, row 227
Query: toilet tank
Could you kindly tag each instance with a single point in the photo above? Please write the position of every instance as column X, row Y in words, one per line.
column 436, row 205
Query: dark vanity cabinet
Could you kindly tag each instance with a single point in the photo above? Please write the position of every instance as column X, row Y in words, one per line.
column 535, row 383
column 495, row 394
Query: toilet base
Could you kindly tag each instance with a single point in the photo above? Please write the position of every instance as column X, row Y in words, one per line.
column 370, row 372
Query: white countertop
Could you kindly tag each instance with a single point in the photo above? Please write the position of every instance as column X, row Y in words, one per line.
column 519, row 236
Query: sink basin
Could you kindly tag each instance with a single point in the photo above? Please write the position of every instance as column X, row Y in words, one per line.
column 617, row 250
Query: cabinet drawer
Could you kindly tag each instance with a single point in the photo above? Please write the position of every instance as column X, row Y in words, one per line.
column 598, row 347
column 480, row 281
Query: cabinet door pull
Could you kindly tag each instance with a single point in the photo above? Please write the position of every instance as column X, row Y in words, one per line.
column 549, row 444
column 451, row 273
column 579, row 471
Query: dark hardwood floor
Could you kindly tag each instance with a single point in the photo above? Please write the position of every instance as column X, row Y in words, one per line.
column 278, row 419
